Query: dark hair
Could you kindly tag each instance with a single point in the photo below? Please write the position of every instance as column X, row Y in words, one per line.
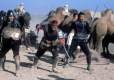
column 3, row 13
column 37, row 25
column 74, row 12
column 81, row 13
column 10, row 13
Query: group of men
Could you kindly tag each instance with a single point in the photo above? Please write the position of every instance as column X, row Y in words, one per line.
column 53, row 37
column 51, row 40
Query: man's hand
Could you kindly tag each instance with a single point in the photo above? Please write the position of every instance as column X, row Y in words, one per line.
column 49, row 42
column 62, row 41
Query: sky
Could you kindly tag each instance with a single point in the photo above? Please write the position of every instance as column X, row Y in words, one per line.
column 42, row 7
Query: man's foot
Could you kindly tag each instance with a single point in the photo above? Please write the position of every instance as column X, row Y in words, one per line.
column 66, row 65
column 88, row 68
column 72, row 60
column 34, row 67
column 35, row 62
column 18, row 73
column 54, row 70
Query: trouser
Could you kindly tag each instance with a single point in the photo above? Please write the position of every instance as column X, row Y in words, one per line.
column 54, row 51
column 84, row 48
column 8, row 44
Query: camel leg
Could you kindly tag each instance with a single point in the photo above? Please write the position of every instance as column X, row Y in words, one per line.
column 99, row 44
column 92, row 41
column 107, row 50
column 104, row 44
column 104, row 47
column 98, row 47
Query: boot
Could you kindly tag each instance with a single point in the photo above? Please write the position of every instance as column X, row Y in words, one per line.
column 55, row 61
column 17, row 65
column 2, row 61
column 35, row 62
column 67, row 63
column 88, row 67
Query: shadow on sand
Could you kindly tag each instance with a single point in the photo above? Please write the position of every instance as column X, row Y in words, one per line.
column 58, row 78
column 55, row 77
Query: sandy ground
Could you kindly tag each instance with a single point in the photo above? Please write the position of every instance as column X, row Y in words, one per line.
column 77, row 71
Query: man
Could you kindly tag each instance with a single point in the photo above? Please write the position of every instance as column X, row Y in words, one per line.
column 11, row 34
column 21, row 9
column 49, row 42
column 82, row 32
column 24, row 18
column 39, row 34
column 71, row 34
